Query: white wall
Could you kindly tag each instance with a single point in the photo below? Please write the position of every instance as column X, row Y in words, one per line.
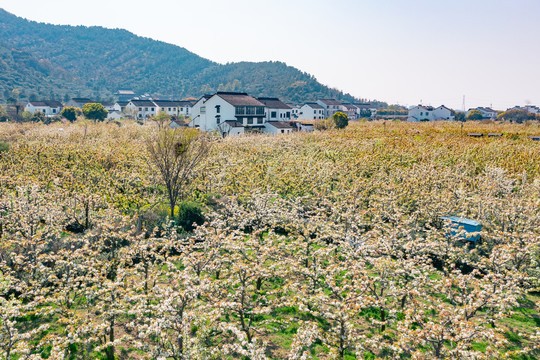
column 309, row 113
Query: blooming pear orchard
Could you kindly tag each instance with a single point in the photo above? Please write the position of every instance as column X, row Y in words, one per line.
column 325, row 245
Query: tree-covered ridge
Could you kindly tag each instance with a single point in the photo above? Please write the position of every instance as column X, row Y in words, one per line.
column 101, row 61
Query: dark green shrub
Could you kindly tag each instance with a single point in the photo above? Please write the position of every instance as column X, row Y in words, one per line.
column 188, row 214
column 4, row 147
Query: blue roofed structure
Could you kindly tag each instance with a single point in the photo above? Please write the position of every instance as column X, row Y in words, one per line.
column 470, row 226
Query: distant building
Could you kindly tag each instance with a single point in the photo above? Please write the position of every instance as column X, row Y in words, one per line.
column 331, row 106
column 175, row 123
column 109, row 106
column 429, row 113
column 198, row 111
column 275, row 109
column 528, row 108
column 312, row 111
column 186, row 107
column 79, row 102
column 115, row 115
column 352, row 111
column 295, row 111
column 230, row 106
column 48, row 108
column 124, row 95
column 278, row 127
column 169, row 107
column 142, row 109
column 487, row 113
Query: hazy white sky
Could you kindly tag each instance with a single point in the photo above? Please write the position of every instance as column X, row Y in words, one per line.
column 400, row 51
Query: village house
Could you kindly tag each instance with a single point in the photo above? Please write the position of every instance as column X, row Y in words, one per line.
column 331, row 106
column 275, row 109
column 48, row 108
column 168, row 107
column 295, row 111
column 429, row 113
column 120, row 106
column 186, row 107
column 109, row 106
column 142, row 109
column 312, row 111
column 79, row 102
column 198, row 109
column 278, row 127
column 487, row 113
column 231, row 106
column 352, row 111
column 124, row 95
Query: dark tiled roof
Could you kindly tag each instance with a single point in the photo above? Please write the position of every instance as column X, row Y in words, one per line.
column 239, row 99
column 273, row 103
column 330, row 102
column 281, row 124
column 165, row 103
column 107, row 103
column 314, row 105
column 485, row 109
column 234, row 123
column 187, row 103
column 428, row 108
column 49, row 103
column 350, row 107
column 142, row 103
column 122, row 103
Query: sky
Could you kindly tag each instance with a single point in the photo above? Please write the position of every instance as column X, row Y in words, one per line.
column 404, row 52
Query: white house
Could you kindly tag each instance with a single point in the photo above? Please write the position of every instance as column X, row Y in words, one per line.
column 230, row 106
column 109, row 106
column 124, row 95
column 487, row 113
column 429, row 113
column 352, row 111
column 198, row 110
column 275, row 109
column 169, row 107
column 49, row 108
column 278, row 127
column 142, row 109
column 177, row 123
column 295, row 111
column 185, row 107
column 115, row 115
column 312, row 111
column 232, row 127
column 331, row 106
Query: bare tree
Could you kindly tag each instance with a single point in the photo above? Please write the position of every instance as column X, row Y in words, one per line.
column 177, row 153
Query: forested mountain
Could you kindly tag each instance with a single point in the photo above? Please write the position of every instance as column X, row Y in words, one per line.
column 44, row 60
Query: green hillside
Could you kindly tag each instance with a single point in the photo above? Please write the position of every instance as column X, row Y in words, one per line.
column 54, row 60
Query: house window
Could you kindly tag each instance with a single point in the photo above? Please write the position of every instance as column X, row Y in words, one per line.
column 260, row 120
column 203, row 109
column 169, row 109
column 250, row 121
column 250, row 110
column 282, row 131
column 140, row 109
column 145, row 109
column 54, row 110
column 218, row 119
column 182, row 109
column 152, row 109
column 273, row 114
column 218, row 109
column 288, row 114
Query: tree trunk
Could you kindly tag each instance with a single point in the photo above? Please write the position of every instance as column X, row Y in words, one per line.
column 110, row 348
column 383, row 318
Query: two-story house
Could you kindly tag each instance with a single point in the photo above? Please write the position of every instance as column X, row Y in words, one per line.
column 331, row 106
column 429, row 113
column 48, row 108
column 275, row 109
column 487, row 113
column 232, row 107
column 142, row 109
column 312, row 111
column 169, row 107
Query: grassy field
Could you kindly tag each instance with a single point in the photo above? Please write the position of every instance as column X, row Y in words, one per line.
column 324, row 245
